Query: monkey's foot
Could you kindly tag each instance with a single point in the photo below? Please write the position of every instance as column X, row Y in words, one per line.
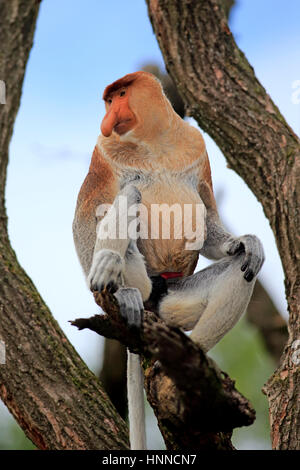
column 131, row 305
column 106, row 271
column 254, row 254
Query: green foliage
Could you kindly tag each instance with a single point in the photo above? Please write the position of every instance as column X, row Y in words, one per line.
column 242, row 354
column 11, row 435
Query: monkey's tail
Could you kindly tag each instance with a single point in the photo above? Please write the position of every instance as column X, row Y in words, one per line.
column 136, row 408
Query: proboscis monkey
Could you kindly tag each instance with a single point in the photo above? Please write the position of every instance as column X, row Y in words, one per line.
column 147, row 156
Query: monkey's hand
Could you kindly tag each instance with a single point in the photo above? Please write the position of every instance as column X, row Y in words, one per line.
column 254, row 254
column 131, row 305
column 106, row 271
column 132, row 194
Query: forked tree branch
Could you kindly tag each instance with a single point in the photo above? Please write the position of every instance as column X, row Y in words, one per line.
column 197, row 405
column 222, row 93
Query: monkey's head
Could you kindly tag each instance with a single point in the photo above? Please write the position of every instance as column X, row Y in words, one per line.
column 136, row 106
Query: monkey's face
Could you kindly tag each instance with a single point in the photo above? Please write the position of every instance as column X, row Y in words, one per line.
column 136, row 103
column 119, row 117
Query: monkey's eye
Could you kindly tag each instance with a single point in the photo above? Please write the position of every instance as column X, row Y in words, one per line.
column 109, row 100
column 122, row 93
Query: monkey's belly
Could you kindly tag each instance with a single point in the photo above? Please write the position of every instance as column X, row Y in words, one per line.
column 167, row 256
column 172, row 228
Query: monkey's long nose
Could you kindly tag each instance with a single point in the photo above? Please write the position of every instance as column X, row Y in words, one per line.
column 109, row 121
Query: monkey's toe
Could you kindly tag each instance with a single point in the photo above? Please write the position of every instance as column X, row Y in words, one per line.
column 131, row 305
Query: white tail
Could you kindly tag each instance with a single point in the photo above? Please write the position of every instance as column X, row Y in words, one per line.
column 136, row 408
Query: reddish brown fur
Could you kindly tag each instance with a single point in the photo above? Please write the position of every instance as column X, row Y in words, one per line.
column 99, row 186
column 160, row 143
column 122, row 82
column 206, row 172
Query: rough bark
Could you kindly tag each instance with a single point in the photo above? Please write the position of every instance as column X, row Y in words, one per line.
column 197, row 405
column 267, row 319
column 46, row 386
column 222, row 93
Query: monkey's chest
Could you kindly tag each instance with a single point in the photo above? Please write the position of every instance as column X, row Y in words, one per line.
column 172, row 226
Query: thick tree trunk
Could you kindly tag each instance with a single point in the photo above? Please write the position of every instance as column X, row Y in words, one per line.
column 222, row 93
column 46, row 386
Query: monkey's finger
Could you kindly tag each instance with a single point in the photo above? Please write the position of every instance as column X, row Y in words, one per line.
column 254, row 257
column 133, row 301
column 138, row 311
column 105, row 278
column 249, row 275
column 236, row 247
column 261, row 255
column 132, row 193
column 112, row 287
column 105, row 271
column 246, row 262
column 255, row 264
column 126, row 305
column 131, row 305
column 129, row 313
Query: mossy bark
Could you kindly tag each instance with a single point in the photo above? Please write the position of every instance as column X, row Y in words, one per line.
column 44, row 383
column 222, row 93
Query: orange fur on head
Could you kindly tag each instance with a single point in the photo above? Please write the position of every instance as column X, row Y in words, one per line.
column 136, row 102
column 119, row 117
column 120, row 83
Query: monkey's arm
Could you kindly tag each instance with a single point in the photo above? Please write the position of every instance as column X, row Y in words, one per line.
column 99, row 188
column 220, row 243
column 101, row 214
column 112, row 261
column 111, row 252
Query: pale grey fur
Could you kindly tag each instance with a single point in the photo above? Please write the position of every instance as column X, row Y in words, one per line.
column 209, row 302
column 136, row 408
column 146, row 177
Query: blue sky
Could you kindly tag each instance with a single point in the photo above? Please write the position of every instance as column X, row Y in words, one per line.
column 79, row 48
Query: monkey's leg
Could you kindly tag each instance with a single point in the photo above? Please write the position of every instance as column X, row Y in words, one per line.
column 136, row 286
column 112, row 242
column 209, row 302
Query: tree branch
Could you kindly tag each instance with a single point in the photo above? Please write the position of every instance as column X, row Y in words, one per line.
column 46, row 386
column 266, row 318
column 196, row 403
column 222, row 93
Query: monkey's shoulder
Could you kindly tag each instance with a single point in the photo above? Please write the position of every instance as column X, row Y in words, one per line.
column 100, row 186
